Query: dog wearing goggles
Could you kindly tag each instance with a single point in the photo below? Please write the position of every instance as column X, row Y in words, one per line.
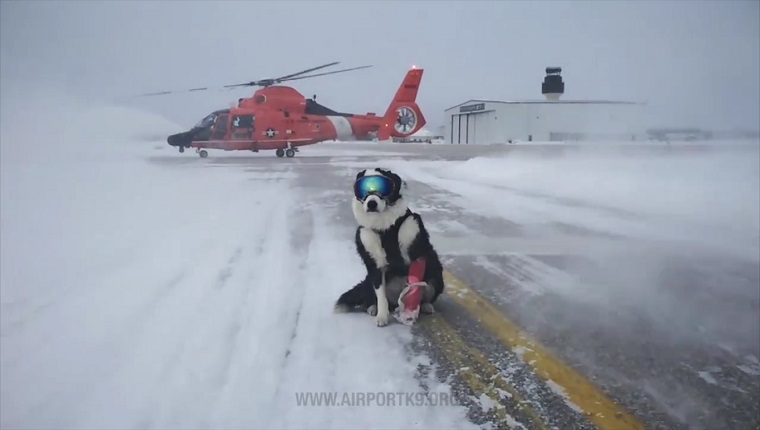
column 389, row 237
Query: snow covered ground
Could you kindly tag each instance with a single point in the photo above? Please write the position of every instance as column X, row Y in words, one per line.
column 134, row 295
column 199, row 294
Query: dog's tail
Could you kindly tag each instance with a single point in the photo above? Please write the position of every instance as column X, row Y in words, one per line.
column 356, row 296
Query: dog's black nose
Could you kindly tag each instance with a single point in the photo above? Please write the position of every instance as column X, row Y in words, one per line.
column 372, row 205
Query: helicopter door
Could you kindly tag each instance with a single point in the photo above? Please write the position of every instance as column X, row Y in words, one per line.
column 220, row 127
column 242, row 126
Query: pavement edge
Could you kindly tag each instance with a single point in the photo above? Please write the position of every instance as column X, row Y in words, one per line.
column 597, row 407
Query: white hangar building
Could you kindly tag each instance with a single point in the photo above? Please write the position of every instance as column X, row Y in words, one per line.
column 552, row 119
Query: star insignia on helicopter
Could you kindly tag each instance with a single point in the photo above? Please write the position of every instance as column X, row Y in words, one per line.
column 270, row 132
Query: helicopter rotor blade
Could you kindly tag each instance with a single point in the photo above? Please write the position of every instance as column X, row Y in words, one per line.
column 271, row 81
column 281, row 78
column 325, row 73
column 160, row 93
column 266, row 82
column 246, row 84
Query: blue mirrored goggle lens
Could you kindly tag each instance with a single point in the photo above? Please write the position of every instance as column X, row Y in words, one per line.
column 367, row 185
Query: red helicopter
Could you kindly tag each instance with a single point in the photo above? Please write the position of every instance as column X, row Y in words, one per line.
column 280, row 118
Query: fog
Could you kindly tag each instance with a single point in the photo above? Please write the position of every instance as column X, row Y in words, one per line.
column 697, row 63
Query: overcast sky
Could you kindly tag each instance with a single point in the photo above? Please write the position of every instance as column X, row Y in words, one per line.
column 694, row 62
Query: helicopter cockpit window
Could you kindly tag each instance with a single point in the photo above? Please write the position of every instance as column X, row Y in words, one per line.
column 207, row 121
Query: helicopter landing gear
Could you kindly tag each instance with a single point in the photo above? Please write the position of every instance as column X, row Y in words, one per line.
column 203, row 153
column 181, row 149
column 291, row 151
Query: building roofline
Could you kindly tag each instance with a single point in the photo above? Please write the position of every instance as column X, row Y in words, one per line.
column 608, row 102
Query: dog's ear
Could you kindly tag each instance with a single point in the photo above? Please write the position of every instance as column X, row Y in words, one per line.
column 361, row 174
column 397, row 182
column 388, row 173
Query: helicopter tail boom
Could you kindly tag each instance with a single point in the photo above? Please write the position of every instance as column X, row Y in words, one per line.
column 404, row 117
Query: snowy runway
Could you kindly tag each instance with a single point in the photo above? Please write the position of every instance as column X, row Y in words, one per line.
column 216, row 313
column 166, row 291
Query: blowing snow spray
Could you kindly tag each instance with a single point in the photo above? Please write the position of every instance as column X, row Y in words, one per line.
column 410, row 298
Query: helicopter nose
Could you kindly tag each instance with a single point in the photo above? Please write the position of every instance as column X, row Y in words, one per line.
column 179, row 139
column 173, row 140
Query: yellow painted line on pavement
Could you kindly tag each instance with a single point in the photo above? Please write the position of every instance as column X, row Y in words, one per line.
column 597, row 407
column 474, row 369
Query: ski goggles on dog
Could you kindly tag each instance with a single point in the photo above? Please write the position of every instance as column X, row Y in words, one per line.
column 375, row 184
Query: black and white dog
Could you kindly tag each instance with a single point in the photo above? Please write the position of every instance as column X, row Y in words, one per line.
column 388, row 238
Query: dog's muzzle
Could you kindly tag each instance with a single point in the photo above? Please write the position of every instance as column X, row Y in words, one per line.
column 372, row 203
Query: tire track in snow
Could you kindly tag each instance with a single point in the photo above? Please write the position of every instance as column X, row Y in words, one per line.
column 107, row 335
column 223, row 276
column 226, row 272
column 61, row 294
column 165, row 330
column 260, row 343
column 303, row 229
column 312, row 364
column 177, row 358
column 233, row 333
column 304, row 234
column 347, row 354
column 216, row 348
column 239, row 337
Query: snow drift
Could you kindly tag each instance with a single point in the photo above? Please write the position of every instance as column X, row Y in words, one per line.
column 71, row 193
column 44, row 126
column 720, row 188
column 708, row 193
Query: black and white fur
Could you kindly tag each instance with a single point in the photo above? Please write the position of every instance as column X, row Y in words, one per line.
column 388, row 238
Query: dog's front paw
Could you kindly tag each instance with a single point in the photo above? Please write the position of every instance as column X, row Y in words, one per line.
column 427, row 308
column 372, row 310
column 382, row 318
